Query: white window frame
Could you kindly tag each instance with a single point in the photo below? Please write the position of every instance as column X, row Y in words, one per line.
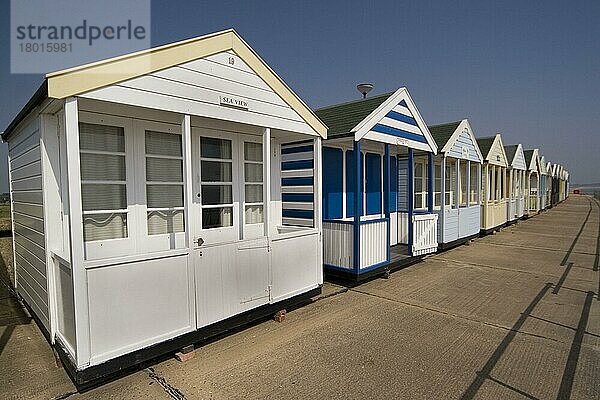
column 424, row 185
column 449, row 189
column 437, row 168
column 158, row 242
column 250, row 230
column 473, row 184
column 463, row 202
column 219, row 234
column 109, row 248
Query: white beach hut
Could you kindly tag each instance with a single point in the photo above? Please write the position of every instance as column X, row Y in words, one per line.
column 149, row 201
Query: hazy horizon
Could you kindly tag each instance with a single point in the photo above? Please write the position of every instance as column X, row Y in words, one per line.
column 529, row 71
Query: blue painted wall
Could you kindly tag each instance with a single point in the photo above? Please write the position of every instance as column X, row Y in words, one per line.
column 373, row 183
column 393, row 184
column 402, row 184
column 333, row 183
column 350, row 178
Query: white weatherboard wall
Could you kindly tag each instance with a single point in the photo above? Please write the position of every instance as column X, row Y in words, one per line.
column 28, row 217
column 219, row 86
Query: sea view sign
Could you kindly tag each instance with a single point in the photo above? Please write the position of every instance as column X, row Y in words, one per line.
column 53, row 35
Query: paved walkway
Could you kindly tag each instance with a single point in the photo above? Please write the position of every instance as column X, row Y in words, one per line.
column 514, row 315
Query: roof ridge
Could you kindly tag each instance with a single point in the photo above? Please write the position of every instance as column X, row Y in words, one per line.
column 354, row 101
column 445, row 123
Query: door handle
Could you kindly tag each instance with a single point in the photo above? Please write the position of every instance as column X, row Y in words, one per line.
column 199, row 241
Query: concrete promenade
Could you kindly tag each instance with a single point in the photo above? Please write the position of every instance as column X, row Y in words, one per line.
column 515, row 315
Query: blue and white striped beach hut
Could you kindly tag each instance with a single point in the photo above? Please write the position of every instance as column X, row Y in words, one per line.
column 382, row 216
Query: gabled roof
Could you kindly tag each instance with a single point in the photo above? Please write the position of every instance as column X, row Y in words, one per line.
column 528, row 154
column 443, row 132
column 485, row 144
column 341, row 118
column 84, row 78
column 511, row 151
column 515, row 157
column 532, row 159
column 390, row 118
column 450, row 138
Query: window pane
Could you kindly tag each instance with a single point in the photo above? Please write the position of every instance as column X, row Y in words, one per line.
column 101, row 137
column 102, row 167
column 473, row 183
column 418, row 169
column 418, row 184
column 164, row 196
column 463, row 183
column 165, row 144
column 253, row 172
column 254, row 214
column 217, row 217
column 216, row 194
column 161, row 222
column 104, row 226
column 215, row 171
column 164, row 170
column 253, row 151
column 103, row 197
column 254, row 193
column 418, row 200
column 215, row 148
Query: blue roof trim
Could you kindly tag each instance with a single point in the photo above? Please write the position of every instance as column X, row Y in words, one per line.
column 398, row 133
column 401, row 117
column 403, row 103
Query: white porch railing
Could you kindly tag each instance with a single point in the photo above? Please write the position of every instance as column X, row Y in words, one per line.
column 373, row 243
column 338, row 239
column 533, row 202
column 425, row 234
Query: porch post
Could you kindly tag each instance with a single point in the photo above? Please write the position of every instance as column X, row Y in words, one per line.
column 357, row 206
column 267, row 180
column 186, row 136
column 430, row 182
column 386, row 195
column 468, row 178
column 318, row 203
column 479, row 184
column 442, row 195
column 80, row 295
column 411, row 199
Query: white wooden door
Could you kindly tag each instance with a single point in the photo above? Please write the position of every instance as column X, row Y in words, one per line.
column 231, row 254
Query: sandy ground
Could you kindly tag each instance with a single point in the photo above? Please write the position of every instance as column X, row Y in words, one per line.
column 500, row 318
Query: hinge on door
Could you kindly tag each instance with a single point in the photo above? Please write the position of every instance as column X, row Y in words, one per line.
column 270, row 288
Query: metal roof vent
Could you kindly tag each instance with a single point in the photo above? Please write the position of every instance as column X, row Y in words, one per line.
column 364, row 88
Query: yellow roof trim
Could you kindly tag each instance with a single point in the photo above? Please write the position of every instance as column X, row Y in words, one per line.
column 81, row 79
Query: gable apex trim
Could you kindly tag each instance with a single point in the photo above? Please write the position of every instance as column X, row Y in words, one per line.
column 400, row 95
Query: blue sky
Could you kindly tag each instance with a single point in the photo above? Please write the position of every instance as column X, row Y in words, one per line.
column 529, row 70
